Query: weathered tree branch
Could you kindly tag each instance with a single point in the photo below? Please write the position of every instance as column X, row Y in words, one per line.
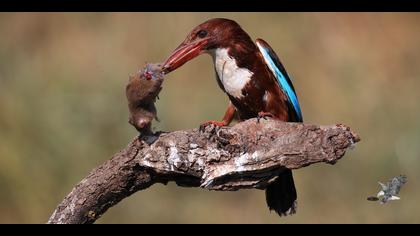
column 247, row 155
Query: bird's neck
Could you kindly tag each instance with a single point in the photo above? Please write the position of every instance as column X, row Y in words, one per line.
column 242, row 50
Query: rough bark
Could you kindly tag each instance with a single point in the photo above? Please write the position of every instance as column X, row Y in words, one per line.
column 249, row 154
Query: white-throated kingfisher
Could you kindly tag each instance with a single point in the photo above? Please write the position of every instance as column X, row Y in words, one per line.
column 256, row 82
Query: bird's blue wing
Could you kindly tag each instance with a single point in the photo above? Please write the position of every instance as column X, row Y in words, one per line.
column 273, row 62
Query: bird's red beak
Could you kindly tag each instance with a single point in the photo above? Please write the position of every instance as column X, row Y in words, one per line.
column 183, row 53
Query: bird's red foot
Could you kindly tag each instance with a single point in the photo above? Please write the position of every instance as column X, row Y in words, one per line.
column 212, row 122
column 264, row 115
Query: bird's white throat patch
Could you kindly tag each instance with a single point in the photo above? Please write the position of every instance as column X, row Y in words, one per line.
column 232, row 77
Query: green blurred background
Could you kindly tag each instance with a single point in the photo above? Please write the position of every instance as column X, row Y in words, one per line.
column 63, row 110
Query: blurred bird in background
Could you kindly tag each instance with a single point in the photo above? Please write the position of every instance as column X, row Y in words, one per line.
column 390, row 189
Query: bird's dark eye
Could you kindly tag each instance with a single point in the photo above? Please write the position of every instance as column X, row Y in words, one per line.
column 202, row 33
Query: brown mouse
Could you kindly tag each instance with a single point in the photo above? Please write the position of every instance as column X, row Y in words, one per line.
column 142, row 90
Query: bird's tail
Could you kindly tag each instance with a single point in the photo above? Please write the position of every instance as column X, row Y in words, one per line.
column 281, row 194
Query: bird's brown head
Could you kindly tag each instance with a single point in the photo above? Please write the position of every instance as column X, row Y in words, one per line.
column 212, row 34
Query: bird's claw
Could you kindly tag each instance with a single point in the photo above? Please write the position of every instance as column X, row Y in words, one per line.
column 263, row 115
column 211, row 122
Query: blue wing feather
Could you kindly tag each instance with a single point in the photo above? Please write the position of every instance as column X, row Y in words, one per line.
column 273, row 62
